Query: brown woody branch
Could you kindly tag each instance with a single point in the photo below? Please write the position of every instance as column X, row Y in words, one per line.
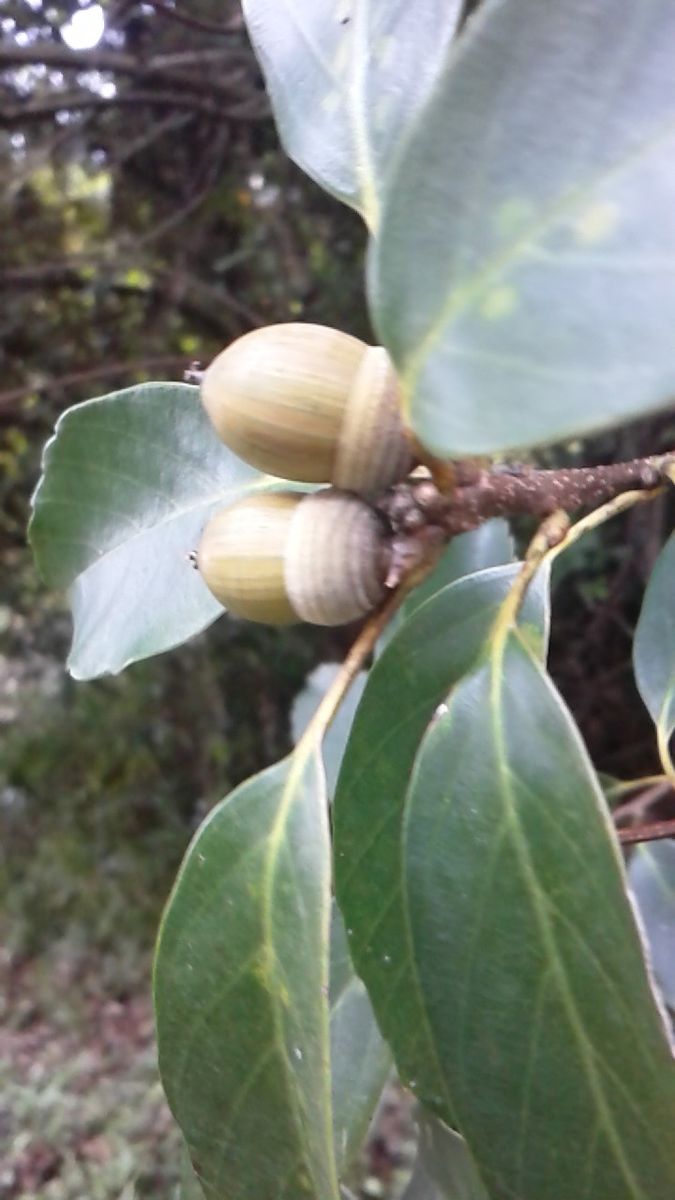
column 655, row 832
column 506, row 491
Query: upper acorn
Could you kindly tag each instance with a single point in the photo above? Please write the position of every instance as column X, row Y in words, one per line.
column 310, row 403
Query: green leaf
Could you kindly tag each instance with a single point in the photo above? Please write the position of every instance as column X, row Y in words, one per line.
column 189, row 1187
column 346, row 78
column 439, row 644
column 654, row 644
column 335, row 739
column 443, row 1168
column 241, row 991
column 490, row 545
column 523, row 276
column 651, row 874
column 360, row 1059
column 128, row 482
column 525, row 951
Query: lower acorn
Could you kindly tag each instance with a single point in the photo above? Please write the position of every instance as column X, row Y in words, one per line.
column 285, row 557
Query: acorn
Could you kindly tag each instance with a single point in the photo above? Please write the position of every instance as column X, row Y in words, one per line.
column 284, row 557
column 310, row 403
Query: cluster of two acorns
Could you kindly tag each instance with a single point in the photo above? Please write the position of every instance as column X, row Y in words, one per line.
column 313, row 405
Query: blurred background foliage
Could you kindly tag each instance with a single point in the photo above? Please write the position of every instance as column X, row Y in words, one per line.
column 147, row 217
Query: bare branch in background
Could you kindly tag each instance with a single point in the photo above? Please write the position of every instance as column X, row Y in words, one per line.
column 81, row 101
column 51, row 55
column 226, row 29
column 160, row 362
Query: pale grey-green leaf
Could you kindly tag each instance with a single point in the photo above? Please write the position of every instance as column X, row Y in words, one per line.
column 651, row 874
column 443, row 1168
column 524, row 275
column 128, row 481
column 654, row 644
column 346, row 78
column 360, row 1058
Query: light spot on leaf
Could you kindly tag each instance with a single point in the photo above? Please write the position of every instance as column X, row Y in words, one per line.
column 381, row 112
column 597, row 223
column 383, row 52
column 342, row 55
column 331, row 101
column 513, row 215
column 499, row 302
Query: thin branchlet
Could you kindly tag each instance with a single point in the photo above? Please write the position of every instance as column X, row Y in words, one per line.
column 479, row 493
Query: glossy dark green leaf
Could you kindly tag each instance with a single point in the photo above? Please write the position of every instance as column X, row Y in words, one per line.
column 439, row 644
column 346, row 78
column 651, row 874
column 654, row 644
column 128, row 482
column 335, row 739
column 525, row 951
column 241, row 991
column 523, row 276
column 360, row 1059
column 490, row 545
column 189, row 1187
column 443, row 1167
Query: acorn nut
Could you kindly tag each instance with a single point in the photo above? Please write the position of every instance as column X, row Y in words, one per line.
column 285, row 557
column 310, row 403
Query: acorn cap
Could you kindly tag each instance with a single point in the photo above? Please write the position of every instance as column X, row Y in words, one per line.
column 372, row 450
column 334, row 564
column 282, row 557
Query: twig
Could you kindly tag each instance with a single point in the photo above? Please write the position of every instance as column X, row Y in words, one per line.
column 81, row 101
column 478, row 493
column 167, row 66
column 106, row 370
column 232, row 26
column 646, row 833
column 635, row 809
column 549, row 534
column 625, row 787
column 605, row 512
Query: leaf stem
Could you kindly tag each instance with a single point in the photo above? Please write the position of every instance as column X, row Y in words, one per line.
column 612, row 508
column 663, row 746
column 549, row 534
column 624, row 787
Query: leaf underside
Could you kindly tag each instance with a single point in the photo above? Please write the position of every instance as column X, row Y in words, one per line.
column 128, row 482
column 362, row 70
column 523, row 274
